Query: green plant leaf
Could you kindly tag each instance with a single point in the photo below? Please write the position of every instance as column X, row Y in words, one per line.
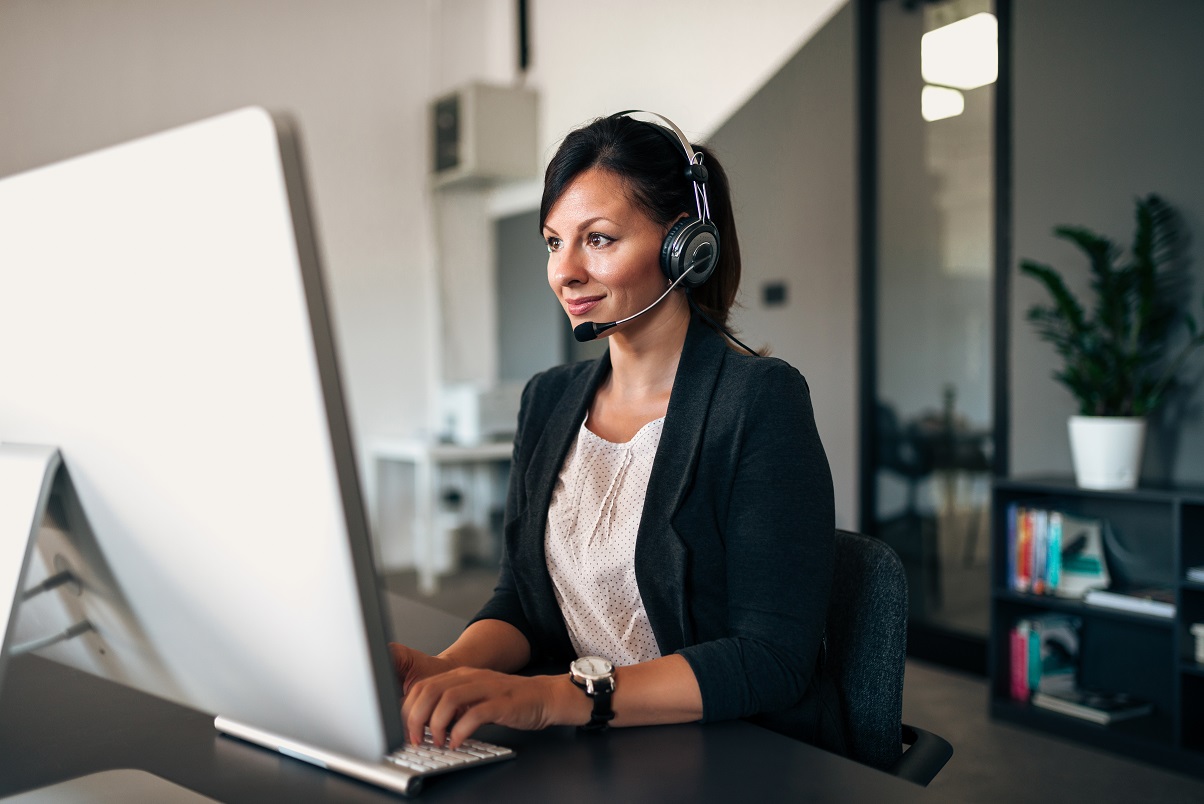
column 1065, row 304
column 1115, row 361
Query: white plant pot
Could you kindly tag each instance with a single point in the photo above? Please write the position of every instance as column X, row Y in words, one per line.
column 1107, row 451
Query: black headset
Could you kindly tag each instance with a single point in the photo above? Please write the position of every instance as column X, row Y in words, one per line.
column 692, row 244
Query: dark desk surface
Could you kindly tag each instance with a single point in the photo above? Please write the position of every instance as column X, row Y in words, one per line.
column 57, row 723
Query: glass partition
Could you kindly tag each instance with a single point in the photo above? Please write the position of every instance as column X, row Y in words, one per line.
column 933, row 304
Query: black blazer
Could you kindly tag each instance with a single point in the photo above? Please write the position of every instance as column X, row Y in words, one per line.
column 734, row 552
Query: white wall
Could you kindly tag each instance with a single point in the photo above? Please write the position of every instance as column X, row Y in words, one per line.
column 694, row 61
column 76, row 75
column 790, row 154
column 1102, row 114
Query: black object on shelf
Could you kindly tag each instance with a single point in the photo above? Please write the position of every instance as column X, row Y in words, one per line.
column 1095, row 706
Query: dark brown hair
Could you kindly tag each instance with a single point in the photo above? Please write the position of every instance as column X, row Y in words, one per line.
column 652, row 164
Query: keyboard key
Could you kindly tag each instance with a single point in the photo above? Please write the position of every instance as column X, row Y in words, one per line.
column 428, row 758
column 407, row 762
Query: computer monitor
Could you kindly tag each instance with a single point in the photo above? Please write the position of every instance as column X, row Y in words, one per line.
column 164, row 325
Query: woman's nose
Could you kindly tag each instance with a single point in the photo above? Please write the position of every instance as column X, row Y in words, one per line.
column 567, row 267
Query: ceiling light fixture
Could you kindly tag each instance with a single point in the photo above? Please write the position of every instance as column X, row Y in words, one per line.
column 963, row 54
column 937, row 103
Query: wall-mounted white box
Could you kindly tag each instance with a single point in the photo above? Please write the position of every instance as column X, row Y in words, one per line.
column 483, row 133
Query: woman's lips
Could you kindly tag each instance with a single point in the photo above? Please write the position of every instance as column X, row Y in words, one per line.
column 583, row 305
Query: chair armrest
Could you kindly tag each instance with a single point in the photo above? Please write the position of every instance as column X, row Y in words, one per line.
column 926, row 754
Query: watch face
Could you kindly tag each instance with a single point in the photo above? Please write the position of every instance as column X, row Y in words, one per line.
column 593, row 667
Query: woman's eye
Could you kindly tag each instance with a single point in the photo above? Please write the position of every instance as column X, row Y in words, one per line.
column 598, row 240
column 553, row 244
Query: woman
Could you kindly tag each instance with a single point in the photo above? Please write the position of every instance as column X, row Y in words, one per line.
column 670, row 505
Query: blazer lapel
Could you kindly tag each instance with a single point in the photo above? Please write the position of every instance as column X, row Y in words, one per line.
column 660, row 556
column 527, row 545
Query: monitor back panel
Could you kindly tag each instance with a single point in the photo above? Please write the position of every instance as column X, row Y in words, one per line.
column 164, row 325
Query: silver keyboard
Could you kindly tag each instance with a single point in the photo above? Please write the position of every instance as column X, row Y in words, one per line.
column 402, row 771
column 428, row 759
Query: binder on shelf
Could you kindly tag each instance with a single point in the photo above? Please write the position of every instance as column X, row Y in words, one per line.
column 1094, row 706
column 1156, row 601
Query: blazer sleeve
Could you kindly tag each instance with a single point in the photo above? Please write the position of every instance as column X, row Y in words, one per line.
column 505, row 604
column 779, row 543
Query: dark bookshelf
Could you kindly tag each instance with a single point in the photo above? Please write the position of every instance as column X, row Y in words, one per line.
column 1161, row 532
column 1040, row 603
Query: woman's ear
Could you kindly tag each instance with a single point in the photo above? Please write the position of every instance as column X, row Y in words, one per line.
column 673, row 223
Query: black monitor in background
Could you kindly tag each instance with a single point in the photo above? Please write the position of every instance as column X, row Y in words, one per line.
column 164, row 332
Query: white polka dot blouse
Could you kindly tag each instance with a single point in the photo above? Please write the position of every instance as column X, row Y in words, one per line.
column 589, row 544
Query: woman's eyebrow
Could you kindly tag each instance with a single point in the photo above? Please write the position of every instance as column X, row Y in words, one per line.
column 584, row 224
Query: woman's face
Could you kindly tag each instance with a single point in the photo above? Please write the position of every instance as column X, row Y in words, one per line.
column 603, row 250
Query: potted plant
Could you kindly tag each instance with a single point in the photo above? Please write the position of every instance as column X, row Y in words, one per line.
column 1116, row 358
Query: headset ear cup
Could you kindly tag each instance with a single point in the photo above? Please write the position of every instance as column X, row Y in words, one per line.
column 690, row 242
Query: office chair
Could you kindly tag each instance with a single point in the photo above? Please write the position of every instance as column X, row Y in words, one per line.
column 866, row 653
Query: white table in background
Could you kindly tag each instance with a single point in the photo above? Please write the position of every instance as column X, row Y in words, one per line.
column 429, row 459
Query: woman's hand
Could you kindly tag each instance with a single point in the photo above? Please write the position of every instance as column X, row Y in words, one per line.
column 456, row 703
column 412, row 665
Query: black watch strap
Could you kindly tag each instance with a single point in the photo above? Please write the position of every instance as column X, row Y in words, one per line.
column 603, row 713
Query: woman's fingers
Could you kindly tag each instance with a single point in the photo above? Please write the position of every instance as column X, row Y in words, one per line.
column 471, row 719
column 423, row 697
column 438, row 701
column 455, row 704
column 451, row 705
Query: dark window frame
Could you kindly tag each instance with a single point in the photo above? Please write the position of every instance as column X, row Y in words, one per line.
column 953, row 649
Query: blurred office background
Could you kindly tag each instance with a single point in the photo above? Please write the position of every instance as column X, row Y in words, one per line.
column 879, row 237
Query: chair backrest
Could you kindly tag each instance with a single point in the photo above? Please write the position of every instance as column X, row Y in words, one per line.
column 867, row 646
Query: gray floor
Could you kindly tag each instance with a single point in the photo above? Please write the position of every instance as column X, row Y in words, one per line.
column 997, row 762
column 992, row 762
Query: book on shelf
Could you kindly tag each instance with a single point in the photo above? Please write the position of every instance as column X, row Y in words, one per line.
column 1040, row 550
column 1095, row 706
column 1018, row 660
column 1196, row 573
column 1051, row 552
column 1044, row 654
column 1054, row 652
column 1156, row 601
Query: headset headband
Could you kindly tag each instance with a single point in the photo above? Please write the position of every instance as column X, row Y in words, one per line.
column 695, row 171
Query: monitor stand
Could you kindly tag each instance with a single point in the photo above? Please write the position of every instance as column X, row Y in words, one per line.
column 27, row 475
column 47, row 543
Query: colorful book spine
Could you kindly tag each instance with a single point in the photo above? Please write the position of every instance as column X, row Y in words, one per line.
column 1013, row 513
column 1040, row 546
column 1020, row 637
column 1035, row 540
column 1034, row 657
column 1024, row 551
column 1054, row 568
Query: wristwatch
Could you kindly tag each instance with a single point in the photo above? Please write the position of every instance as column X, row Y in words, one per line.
column 596, row 676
